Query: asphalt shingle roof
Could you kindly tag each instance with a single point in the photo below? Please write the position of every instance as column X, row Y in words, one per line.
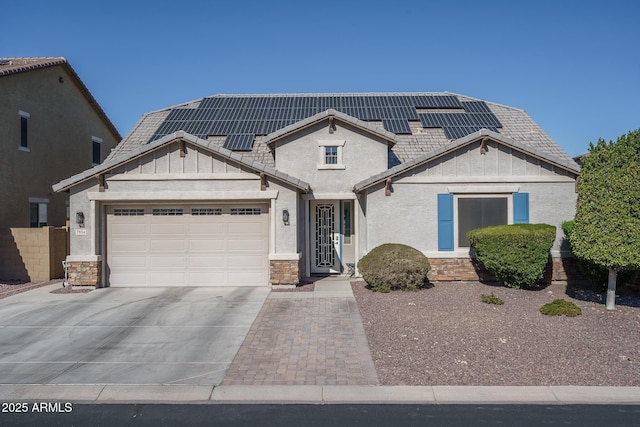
column 191, row 117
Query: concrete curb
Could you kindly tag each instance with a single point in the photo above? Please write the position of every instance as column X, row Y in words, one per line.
column 327, row 394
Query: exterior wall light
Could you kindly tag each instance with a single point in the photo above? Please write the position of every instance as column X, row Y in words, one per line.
column 80, row 218
column 285, row 216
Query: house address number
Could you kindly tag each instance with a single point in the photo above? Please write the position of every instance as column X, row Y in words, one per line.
column 81, row 232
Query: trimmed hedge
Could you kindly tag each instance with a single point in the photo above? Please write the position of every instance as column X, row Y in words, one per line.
column 597, row 275
column 561, row 307
column 517, row 254
column 394, row 266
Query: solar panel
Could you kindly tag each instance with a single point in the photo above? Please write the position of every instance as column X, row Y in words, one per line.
column 241, row 117
column 397, row 126
column 455, row 132
column 239, row 142
column 475, row 107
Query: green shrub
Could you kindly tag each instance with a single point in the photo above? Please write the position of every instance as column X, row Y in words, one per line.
column 394, row 266
column 560, row 307
column 515, row 254
column 597, row 275
column 491, row 299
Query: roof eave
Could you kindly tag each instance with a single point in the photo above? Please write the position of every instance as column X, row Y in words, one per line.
column 270, row 139
column 68, row 183
column 482, row 133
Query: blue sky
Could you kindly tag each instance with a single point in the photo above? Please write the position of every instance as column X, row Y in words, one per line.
column 574, row 66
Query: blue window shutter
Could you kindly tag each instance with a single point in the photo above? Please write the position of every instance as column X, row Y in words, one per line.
column 521, row 208
column 445, row 222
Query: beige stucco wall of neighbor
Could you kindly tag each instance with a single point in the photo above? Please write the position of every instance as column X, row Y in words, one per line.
column 164, row 177
column 410, row 214
column 363, row 155
column 32, row 254
column 60, row 130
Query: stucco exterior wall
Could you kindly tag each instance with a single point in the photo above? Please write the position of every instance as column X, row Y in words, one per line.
column 60, row 130
column 363, row 155
column 410, row 214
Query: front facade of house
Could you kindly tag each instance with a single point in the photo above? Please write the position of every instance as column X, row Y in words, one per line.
column 50, row 128
column 268, row 189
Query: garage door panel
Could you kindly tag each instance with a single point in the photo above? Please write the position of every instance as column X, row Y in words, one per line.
column 158, row 246
column 247, row 228
column 246, row 261
column 245, row 244
column 129, row 246
column 168, row 262
column 215, row 228
column 167, row 278
column 128, row 262
column 129, row 229
column 168, row 228
column 207, row 245
column 209, row 261
column 187, row 250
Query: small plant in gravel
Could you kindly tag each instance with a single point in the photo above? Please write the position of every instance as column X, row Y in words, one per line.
column 561, row 307
column 491, row 299
column 394, row 266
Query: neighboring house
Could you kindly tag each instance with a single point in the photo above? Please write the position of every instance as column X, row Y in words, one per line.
column 50, row 128
column 259, row 189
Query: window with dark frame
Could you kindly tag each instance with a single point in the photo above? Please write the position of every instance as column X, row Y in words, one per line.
column 478, row 212
column 96, row 158
column 24, row 142
column 346, row 222
column 37, row 215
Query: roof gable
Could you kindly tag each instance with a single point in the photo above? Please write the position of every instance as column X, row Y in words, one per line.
column 456, row 145
column 331, row 115
column 175, row 138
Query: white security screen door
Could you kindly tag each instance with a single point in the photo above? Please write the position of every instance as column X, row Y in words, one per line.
column 325, row 231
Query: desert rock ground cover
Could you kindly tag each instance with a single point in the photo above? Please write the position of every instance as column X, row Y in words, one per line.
column 445, row 335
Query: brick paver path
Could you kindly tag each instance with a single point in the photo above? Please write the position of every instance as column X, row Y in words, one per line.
column 305, row 341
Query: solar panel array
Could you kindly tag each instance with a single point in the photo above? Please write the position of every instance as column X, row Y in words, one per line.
column 239, row 142
column 240, row 118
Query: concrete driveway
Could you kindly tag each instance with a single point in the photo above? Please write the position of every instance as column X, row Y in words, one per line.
column 125, row 335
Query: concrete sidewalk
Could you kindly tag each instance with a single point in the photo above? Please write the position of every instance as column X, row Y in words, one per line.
column 561, row 395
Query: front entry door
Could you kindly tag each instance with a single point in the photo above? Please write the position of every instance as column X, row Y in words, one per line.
column 325, row 233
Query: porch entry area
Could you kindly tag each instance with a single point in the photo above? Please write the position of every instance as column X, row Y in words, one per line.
column 331, row 237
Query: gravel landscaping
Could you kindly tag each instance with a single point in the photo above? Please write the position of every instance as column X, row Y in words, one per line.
column 445, row 335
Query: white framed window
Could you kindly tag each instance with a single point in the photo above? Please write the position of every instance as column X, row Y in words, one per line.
column 473, row 211
column 128, row 212
column 330, row 154
column 24, row 131
column 96, row 150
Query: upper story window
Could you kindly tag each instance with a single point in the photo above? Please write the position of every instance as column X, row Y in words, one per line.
column 24, row 129
column 331, row 154
column 96, row 145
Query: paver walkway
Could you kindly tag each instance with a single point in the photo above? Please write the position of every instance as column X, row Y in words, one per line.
column 306, row 338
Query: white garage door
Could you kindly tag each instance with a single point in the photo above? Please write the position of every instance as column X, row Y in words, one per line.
column 188, row 245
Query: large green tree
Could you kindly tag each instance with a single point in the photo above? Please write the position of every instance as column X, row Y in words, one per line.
column 607, row 223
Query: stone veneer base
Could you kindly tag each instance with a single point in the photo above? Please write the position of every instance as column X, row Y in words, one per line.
column 85, row 273
column 469, row 269
column 284, row 272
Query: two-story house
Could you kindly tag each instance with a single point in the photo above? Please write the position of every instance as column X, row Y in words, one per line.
column 51, row 127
